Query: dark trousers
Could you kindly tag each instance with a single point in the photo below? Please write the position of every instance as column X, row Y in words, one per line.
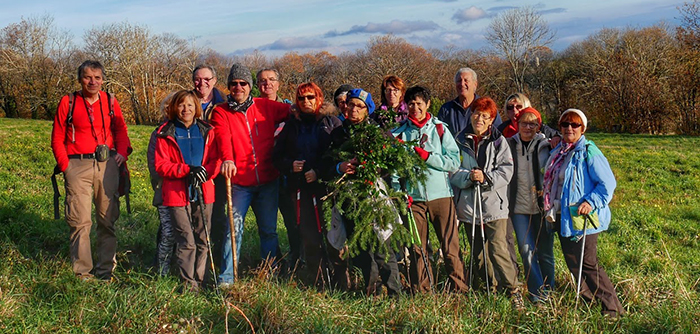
column 441, row 212
column 374, row 266
column 191, row 239
column 287, row 207
column 311, row 222
column 595, row 282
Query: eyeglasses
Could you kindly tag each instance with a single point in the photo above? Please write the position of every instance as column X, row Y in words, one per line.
column 565, row 125
column 513, row 106
column 306, row 98
column 198, row 80
column 482, row 115
column 528, row 125
column 393, row 91
column 238, row 83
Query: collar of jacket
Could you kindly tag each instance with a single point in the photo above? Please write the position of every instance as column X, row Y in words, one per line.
column 168, row 129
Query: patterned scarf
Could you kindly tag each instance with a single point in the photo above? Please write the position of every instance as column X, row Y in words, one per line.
column 550, row 175
column 243, row 106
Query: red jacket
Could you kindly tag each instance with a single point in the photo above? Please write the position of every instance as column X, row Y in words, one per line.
column 79, row 138
column 172, row 167
column 247, row 139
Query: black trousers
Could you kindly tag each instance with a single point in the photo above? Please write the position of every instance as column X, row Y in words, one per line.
column 595, row 282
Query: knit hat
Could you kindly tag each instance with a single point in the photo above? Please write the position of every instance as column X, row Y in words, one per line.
column 342, row 89
column 366, row 97
column 579, row 113
column 240, row 72
column 533, row 111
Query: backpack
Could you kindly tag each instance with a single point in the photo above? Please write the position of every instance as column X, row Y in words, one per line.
column 124, row 175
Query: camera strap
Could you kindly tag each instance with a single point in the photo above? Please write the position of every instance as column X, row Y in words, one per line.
column 88, row 110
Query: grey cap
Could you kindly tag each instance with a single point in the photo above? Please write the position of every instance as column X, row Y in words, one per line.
column 240, row 72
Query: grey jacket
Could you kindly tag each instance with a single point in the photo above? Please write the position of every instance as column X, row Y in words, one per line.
column 525, row 189
column 492, row 155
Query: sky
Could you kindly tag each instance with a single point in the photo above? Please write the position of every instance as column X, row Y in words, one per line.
column 275, row 27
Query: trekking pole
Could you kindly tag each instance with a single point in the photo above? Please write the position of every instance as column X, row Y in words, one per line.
column 580, row 265
column 424, row 254
column 200, row 197
column 483, row 239
column 234, row 256
column 327, row 276
column 471, row 251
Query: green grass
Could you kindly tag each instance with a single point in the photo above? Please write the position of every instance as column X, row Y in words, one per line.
column 650, row 252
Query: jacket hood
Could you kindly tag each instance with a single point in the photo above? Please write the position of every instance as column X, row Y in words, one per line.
column 327, row 109
column 468, row 132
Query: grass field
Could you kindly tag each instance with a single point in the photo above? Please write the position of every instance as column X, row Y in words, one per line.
column 651, row 252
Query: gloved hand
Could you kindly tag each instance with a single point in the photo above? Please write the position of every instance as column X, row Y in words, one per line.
column 410, row 201
column 197, row 176
column 423, row 154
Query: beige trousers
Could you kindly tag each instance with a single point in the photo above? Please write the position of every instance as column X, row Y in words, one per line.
column 88, row 181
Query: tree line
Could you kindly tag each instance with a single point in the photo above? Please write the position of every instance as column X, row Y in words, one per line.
column 631, row 80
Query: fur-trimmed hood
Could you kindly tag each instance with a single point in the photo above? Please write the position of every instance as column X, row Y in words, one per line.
column 327, row 109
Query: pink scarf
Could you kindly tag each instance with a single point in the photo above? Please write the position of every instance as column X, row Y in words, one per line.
column 551, row 173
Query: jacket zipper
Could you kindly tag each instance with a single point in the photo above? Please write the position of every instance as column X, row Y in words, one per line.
column 252, row 145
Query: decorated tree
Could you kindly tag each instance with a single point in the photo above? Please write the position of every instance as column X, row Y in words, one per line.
column 363, row 198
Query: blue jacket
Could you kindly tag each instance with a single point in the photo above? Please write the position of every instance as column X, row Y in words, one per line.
column 443, row 159
column 588, row 177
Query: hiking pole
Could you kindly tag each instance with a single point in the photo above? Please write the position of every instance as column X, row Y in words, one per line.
column 483, row 239
column 200, row 197
column 580, row 265
column 234, row 256
column 424, row 254
column 471, row 251
column 327, row 276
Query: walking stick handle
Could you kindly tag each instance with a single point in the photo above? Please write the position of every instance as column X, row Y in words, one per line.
column 234, row 256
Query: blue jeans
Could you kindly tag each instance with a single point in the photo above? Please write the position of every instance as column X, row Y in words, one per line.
column 536, row 250
column 263, row 199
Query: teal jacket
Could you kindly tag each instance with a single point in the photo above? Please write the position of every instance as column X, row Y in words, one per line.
column 588, row 177
column 443, row 158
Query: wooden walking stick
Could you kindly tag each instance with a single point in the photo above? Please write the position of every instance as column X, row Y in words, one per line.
column 233, row 230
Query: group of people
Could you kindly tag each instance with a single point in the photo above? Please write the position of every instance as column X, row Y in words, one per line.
column 491, row 178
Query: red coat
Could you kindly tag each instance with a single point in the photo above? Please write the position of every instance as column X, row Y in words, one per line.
column 247, row 139
column 171, row 165
column 79, row 138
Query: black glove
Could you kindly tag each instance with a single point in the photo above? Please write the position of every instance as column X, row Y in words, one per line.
column 197, row 176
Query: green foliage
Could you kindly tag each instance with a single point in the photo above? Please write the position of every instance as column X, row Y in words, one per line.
column 360, row 197
column 650, row 252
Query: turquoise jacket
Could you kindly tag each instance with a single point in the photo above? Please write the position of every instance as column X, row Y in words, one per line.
column 588, row 177
column 443, row 158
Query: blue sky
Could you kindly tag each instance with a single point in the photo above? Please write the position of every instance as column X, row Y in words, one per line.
column 278, row 26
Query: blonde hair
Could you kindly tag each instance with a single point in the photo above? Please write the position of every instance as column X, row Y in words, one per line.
column 520, row 97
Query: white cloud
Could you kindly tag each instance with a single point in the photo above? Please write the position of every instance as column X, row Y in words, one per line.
column 472, row 13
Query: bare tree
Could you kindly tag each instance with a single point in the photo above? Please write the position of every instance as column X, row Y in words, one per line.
column 34, row 67
column 516, row 34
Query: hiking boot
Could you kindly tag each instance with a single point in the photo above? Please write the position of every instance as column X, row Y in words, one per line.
column 516, row 300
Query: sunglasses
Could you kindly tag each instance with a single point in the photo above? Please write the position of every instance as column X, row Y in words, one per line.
column 306, row 98
column 238, row 83
column 513, row 106
column 565, row 125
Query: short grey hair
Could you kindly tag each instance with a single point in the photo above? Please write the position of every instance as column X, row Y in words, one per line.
column 257, row 76
column 465, row 70
column 201, row 66
column 93, row 64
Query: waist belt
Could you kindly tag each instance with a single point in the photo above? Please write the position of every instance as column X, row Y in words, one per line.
column 82, row 156
column 89, row 155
